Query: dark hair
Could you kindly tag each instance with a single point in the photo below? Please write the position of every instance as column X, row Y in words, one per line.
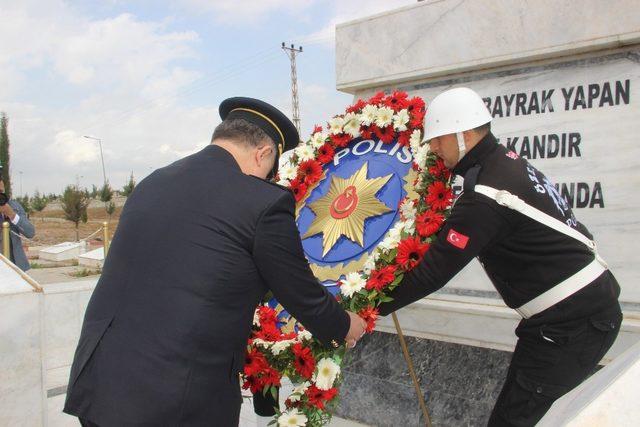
column 240, row 131
column 483, row 128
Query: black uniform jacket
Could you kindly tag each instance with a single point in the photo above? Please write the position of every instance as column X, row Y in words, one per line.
column 198, row 245
column 522, row 257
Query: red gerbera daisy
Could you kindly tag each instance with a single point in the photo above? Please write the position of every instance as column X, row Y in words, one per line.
column 439, row 196
column 417, row 118
column 385, row 134
column 367, row 132
column 428, row 223
column 410, row 252
column 380, row 278
column 370, row 315
column 253, row 383
column 304, row 363
column 316, row 129
column 318, row 397
column 404, row 137
column 359, row 105
column 440, row 170
column 311, row 171
column 415, row 104
column 377, row 98
column 254, row 362
column 271, row 377
column 325, row 154
column 397, row 101
column 299, row 189
column 340, row 140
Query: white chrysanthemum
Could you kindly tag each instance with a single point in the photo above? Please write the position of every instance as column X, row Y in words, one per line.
column 384, row 116
column 304, row 152
column 284, row 182
column 335, row 125
column 352, row 283
column 299, row 391
column 369, row 114
column 288, row 171
column 408, row 211
column 369, row 265
column 326, row 373
column 279, row 346
column 256, row 318
column 390, row 242
column 304, row 335
column 400, row 120
column 262, row 343
column 318, row 139
column 409, row 226
column 352, row 124
column 421, row 156
column 415, row 141
column 292, row 418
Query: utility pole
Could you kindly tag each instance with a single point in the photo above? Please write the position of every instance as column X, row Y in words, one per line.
column 291, row 53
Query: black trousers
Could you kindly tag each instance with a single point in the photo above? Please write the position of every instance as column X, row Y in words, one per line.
column 550, row 360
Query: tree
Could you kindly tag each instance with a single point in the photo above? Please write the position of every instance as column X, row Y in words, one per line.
column 4, row 153
column 128, row 188
column 94, row 191
column 106, row 193
column 111, row 208
column 38, row 202
column 25, row 203
column 74, row 205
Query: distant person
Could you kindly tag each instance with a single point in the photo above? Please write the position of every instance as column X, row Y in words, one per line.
column 13, row 212
column 199, row 244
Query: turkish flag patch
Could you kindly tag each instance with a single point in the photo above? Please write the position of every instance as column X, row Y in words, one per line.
column 458, row 240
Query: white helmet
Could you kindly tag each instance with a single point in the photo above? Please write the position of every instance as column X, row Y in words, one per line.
column 455, row 111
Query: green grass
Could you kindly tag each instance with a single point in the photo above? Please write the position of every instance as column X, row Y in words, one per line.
column 85, row 272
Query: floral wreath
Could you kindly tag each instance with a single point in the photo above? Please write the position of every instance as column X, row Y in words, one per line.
column 272, row 353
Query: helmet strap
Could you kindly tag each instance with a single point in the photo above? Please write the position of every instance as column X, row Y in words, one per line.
column 462, row 149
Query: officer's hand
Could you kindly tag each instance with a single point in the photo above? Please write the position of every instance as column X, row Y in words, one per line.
column 7, row 211
column 356, row 329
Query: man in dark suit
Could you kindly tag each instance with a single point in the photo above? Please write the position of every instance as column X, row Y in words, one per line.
column 13, row 212
column 199, row 244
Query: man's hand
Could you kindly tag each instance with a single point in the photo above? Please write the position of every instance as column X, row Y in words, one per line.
column 356, row 329
column 7, row 211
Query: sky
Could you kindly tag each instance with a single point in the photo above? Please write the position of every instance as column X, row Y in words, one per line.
column 146, row 78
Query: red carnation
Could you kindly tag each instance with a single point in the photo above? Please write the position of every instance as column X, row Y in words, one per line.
column 439, row 196
column 359, row 105
column 380, row 278
column 311, row 170
column 410, row 252
column 304, row 363
column 299, row 189
column 397, row 101
column 316, row 129
column 370, row 315
column 341, row 140
column 325, row 154
column 318, row 397
column 385, row 134
column 376, row 99
column 428, row 223
column 254, row 362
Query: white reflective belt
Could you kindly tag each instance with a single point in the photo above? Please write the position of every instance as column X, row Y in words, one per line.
column 568, row 286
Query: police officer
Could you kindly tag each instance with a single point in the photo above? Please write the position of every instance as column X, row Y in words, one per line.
column 542, row 261
column 198, row 245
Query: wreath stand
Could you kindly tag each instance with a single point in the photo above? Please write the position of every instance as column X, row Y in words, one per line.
column 412, row 372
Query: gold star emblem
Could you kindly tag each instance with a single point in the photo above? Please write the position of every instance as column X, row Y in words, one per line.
column 345, row 207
